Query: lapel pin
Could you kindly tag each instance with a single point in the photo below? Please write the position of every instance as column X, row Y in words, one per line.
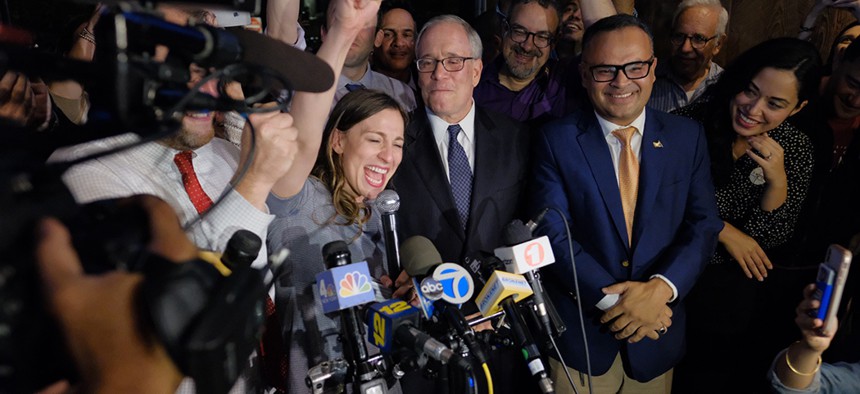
column 657, row 144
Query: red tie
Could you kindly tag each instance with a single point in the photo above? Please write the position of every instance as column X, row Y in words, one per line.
column 198, row 197
column 275, row 365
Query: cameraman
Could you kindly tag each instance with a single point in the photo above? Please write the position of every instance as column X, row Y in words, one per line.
column 97, row 314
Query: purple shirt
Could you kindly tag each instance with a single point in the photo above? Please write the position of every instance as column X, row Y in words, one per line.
column 543, row 99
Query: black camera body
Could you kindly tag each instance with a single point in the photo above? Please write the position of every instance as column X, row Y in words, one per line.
column 209, row 323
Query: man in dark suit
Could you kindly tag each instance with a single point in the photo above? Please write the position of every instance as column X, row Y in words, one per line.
column 458, row 192
column 462, row 174
column 635, row 186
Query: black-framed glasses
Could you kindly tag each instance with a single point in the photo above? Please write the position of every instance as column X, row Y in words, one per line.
column 697, row 41
column 450, row 64
column 520, row 35
column 632, row 70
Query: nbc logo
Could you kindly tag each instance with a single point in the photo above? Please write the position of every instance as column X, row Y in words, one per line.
column 354, row 283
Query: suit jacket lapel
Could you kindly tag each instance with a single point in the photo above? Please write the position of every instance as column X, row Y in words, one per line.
column 487, row 162
column 422, row 152
column 651, row 167
column 596, row 152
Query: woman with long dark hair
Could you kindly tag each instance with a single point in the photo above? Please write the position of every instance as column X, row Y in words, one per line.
column 761, row 166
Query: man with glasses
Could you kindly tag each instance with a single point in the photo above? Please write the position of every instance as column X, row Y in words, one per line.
column 635, row 187
column 523, row 81
column 698, row 33
column 463, row 169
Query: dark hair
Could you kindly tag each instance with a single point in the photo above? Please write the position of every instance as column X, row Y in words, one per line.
column 613, row 23
column 388, row 5
column 852, row 53
column 352, row 109
column 832, row 54
column 783, row 53
column 543, row 3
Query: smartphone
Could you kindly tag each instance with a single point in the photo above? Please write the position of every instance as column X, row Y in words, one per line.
column 832, row 274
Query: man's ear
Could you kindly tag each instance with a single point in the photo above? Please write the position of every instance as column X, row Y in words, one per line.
column 719, row 45
column 377, row 41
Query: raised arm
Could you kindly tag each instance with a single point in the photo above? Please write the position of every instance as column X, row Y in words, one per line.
column 282, row 19
column 595, row 10
column 310, row 110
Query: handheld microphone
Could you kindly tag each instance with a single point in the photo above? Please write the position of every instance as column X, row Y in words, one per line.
column 388, row 202
column 419, row 256
column 446, row 282
column 242, row 249
column 343, row 287
column 395, row 322
column 502, row 291
column 525, row 255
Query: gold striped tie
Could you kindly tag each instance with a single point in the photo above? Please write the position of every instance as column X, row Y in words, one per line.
column 628, row 177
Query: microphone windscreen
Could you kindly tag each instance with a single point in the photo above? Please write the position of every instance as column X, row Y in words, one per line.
column 418, row 255
column 516, row 233
column 334, row 247
column 305, row 71
column 388, row 201
column 242, row 249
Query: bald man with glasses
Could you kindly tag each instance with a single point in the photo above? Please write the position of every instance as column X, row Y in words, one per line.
column 698, row 33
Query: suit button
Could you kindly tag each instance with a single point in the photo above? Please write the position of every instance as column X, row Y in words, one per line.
column 625, row 263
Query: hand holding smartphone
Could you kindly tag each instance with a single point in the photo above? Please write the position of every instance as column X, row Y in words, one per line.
column 829, row 284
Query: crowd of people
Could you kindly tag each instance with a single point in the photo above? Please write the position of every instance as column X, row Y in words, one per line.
column 696, row 199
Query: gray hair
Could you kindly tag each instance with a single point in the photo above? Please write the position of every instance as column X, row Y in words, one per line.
column 471, row 33
column 722, row 22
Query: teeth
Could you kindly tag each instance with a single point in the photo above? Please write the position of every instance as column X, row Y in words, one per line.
column 377, row 170
column 198, row 114
column 745, row 119
column 622, row 95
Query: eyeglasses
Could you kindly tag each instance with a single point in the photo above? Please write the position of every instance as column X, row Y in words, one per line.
column 520, row 35
column 450, row 64
column 632, row 70
column 697, row 41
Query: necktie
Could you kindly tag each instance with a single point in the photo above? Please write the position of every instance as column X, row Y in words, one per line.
column 460, row 174
column 198, row 197
column 628, row 177
column 354, row 86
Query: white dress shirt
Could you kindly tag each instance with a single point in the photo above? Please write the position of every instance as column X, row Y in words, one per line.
column 615, row 148
column 466, row 138
column 149, row 169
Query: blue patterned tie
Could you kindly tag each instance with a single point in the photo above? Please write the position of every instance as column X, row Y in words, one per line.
column 354, row 86
column 460, row 174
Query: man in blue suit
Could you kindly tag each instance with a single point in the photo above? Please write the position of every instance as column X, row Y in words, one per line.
column 635, row 186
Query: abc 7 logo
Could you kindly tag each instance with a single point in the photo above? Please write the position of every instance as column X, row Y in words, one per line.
column 455, row 281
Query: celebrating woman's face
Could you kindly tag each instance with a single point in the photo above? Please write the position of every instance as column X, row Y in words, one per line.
column 765, row 103
column 371, row 151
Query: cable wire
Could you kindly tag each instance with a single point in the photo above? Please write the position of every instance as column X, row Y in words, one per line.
column 489, row 377
column 578, row 302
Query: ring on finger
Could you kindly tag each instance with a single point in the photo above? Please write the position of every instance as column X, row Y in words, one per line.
column 768, row 156
column 663, row 330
